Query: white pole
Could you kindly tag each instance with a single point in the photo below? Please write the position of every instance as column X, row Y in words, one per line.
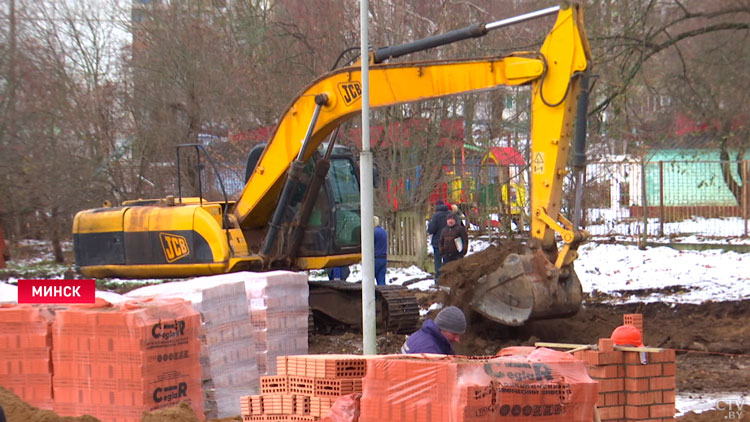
column 369, row 345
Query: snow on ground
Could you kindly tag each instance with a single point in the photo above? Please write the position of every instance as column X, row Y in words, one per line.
column 695, row 402
column 624, row 272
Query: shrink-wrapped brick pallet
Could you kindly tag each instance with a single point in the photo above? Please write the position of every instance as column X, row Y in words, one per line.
column 25, row 353
column 279, row 303
column 229, row 353
column 116, row 361
column 534, row 386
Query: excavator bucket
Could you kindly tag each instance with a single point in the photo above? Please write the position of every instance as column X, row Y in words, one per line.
column 525, row 286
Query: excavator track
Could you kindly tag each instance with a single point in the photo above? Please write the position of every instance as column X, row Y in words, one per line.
column 340, row 303
column 401, row 308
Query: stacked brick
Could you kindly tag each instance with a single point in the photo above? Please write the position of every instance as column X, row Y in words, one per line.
column 230, row 347
column 305, row 387
column 278, row 303
column 26, row 353
column 633, row 386
column 115, row 362
column 541, row 386
column 228, row 356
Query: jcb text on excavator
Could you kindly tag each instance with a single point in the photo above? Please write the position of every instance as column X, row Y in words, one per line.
column 300, row 206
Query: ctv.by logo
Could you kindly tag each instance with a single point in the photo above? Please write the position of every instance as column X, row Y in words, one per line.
column 734, row 408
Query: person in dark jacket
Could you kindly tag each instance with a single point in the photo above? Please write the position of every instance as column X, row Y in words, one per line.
column 436, row 226
column 381, row 252
column 437, row 336
column 454, row 240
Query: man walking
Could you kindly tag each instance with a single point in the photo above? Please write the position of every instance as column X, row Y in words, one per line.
column 454, row 241
column 436, row 226
column 381, row 252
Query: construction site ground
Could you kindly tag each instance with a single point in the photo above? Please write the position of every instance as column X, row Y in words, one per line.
column 713, row 354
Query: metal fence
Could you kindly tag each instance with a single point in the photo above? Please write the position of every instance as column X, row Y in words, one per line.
column 666, row 198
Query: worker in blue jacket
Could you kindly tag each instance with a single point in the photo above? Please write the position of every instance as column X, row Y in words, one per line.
column 381, row 252
column 439, row 335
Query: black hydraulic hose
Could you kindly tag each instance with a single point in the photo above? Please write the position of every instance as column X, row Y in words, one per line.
column 579, row 148
column 293, row 180
column 321, row 171
column 471, row 31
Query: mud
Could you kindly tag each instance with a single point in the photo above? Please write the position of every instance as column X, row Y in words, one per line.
column 18, row 411
column 465, row 271
column 713, row 355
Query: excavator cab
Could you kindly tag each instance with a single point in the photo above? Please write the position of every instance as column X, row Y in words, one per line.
column 299, row 208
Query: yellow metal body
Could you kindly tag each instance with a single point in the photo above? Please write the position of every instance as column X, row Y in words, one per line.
column 550, row 71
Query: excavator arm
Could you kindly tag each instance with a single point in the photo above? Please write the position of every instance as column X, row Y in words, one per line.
column 191, row 236
column 553, row 72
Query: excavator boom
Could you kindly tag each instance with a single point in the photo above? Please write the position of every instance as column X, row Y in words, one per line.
column 197, row 237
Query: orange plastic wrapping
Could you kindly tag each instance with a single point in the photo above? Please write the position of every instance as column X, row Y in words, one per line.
column 25, row 353
column 344, row 409
column 542, row 385
column 116, row 361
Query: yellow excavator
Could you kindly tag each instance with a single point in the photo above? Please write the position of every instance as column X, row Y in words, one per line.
column 299, row 209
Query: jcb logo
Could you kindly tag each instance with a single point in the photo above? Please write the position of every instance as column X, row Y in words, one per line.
column 350, row 91
column 175, row 247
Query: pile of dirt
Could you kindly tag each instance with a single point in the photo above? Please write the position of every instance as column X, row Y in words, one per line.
column 717, row 415
column 465, row 271
column 17, row 410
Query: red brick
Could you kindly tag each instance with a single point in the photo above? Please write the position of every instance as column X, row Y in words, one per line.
column 669, row 368
column 608, row 358
column 632, row 357
column 667, row 355
column 610, row 385
column 633, row 319
column 633, row 384
column 606, row 345
column 636, row 412
column 662, row 383
column 661, row 410
column 620, row 371
column 611, row 412
column 668, row 396
column 643, row 371
column 603, row 371
column 614, row 399
column 649, row 397
column 591, row 357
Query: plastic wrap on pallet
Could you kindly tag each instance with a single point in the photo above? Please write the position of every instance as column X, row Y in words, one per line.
column 541, row 386
column 278, row 303
column 229, row 359
column 26, row 353
column 116, row 361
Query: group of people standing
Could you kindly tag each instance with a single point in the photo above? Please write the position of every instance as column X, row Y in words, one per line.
column 450, row 240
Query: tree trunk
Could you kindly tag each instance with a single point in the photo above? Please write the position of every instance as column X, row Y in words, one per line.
column 726, row 170
column 55, row 234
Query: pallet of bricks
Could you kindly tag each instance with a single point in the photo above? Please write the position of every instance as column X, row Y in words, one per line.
column 116, row 361
column 633, row 385
column 279, row 310
column 26, row 353
column 305, row 387
column 228, row 355
column 519, row 385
